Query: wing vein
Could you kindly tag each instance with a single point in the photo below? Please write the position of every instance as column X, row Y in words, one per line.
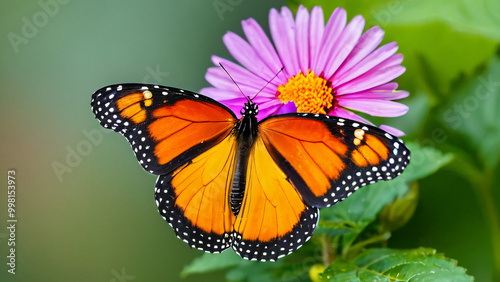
column 311, row 157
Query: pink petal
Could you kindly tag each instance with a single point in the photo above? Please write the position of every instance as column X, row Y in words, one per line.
column 394, row 131
column 366, row 44
column 259, row 41
column 234, row 105
column 219, row 94
column 302, row 38
column 371, row 79
column 380, row 74
column 340, row 112
column 287, row 108
column 240, row 74
column 268, row 109
column 241, row 100
column 228, row 95
column 317, row 27
column 374, row 107
column 393, row 60
column 249, row 83
column 246, row 55
column 368, row 63
column 344, row 45
column 333, row 28
column 386, row 86
column 218, row 78
column 376, row 94
column 283, row 33
column 266, row 106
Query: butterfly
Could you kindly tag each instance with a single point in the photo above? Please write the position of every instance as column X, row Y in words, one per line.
column 255, row 186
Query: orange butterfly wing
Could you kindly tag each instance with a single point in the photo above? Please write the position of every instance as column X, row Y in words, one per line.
column 302, row 162
column 328, row 158
column 194, row 199
column 165, row 126
column 187, row 139
column 273, row 220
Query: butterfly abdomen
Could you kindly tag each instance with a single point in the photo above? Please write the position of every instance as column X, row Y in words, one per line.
column 239, row 181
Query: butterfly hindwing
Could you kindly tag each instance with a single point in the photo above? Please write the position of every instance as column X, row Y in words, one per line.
column 194, row 199
column 165, row 126
column 273, row 220
column 328, row 158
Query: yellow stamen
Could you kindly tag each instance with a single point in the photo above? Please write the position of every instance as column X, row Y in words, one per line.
column 311, row 94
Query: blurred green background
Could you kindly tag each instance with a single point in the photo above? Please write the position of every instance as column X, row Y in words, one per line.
column 85, row 208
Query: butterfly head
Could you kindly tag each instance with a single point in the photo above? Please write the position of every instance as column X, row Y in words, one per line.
column 250, row 109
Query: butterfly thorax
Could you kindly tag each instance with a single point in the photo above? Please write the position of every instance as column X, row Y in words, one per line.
column 246, row 131
column 246, row 128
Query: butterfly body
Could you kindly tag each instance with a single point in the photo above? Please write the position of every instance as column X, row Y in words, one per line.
column 255, row 186
column 245, row 131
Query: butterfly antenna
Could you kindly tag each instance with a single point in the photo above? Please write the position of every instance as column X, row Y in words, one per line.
column 268, row 83
column 246, row 97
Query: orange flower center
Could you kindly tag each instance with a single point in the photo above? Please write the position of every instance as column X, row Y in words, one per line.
column 310, row 93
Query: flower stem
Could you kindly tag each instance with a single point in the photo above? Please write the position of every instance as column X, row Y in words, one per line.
column 328, row 251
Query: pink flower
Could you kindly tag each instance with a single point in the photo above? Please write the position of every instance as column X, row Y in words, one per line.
column 334, row 69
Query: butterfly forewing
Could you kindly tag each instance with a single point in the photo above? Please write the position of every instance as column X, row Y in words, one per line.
column 328, row 158
column 165, row 126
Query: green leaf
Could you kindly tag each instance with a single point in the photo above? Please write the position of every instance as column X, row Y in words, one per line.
column 399, row 212
column 341, row 270
column 362, row 207
column 397, row 265
column 211, row 262
column 424, row 161
column 336, row 228
column 473, row 112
